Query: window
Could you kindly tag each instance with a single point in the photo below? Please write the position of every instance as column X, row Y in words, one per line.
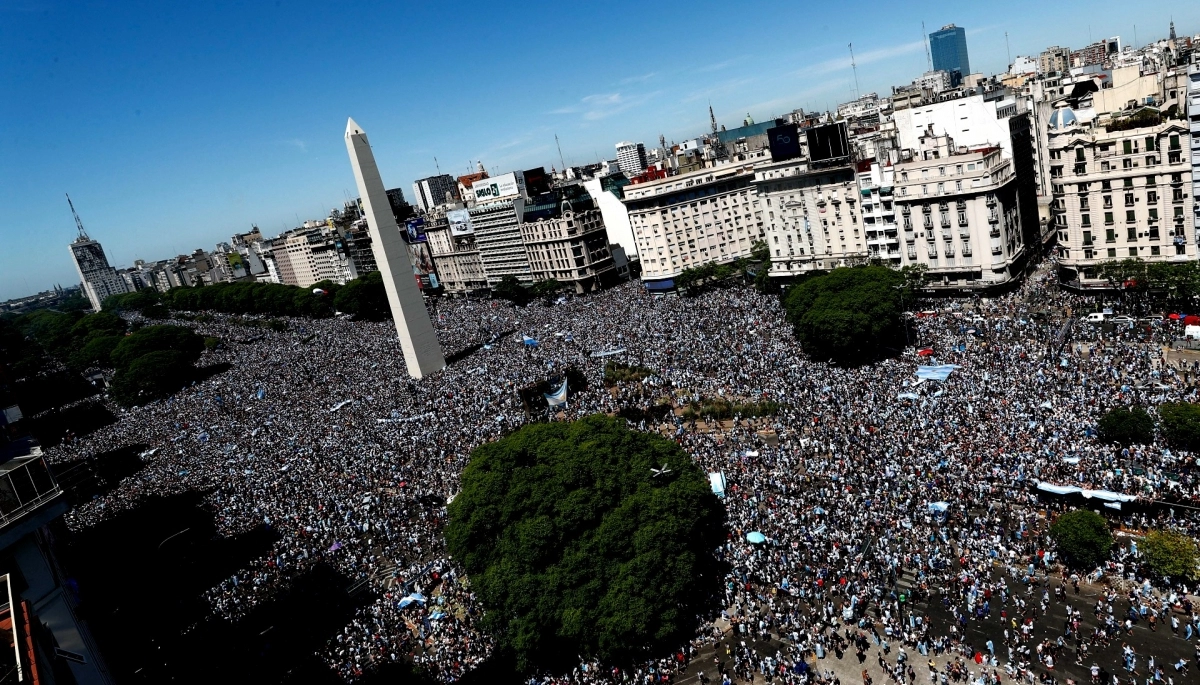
column 1108, row 218
column 958, row 170
column 1127, row 146
column 1110, row 235
column 1087, row 238
column 1128, row 199
column 1131, row 233
column 1083, row 203
column 1152, row 196
column 1105, row 185
column 1149, row 143
column 1128, row 183
column 1112, row 252
column 1129, row 216
column 958, row 185
column 1086, row 219
column 941, row 171
column 941, row 188
column 1154, row 250
column 1133, row 252
column 1174, row 142
column 1153, row 214
column 1108, row 201
column 1079, row 155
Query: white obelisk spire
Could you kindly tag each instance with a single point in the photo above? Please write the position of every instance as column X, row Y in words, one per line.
column 422, row 353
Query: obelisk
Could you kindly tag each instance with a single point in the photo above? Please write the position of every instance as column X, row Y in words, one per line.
column 422, row 353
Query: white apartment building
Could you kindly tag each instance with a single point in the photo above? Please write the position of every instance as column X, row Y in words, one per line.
column 1120, row 194
column 497, row 227
column 308, row 256
column 876, row 186
column 811, row 216
column 710, row 215
column 959, row 215
column 631, row 157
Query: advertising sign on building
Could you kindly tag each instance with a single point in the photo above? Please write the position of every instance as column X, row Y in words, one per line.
column 506, row 185
column 424, row 270
column 784, row 141
column 460, row 222
column 415, row 230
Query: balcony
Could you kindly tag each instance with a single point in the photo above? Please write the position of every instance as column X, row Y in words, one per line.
column 25, row 481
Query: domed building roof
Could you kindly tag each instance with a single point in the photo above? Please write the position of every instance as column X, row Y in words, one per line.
column 1062, row 118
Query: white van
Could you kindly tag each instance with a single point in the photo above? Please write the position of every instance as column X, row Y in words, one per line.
column 1094, row 317
column 1191, row 332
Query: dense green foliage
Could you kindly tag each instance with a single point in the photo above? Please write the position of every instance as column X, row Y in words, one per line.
column 364, row 297
column 1180, row 424
column 1171, row 554
column 616, row 372
column 147, row 302
column 694, row 280
column 1083, row 538
column 1168, row 283
column 511, row 289
column 1133, row 426
column 720, row 408
column 256, row 298
column 849, row 315
column 153, row 362
column 575, row 548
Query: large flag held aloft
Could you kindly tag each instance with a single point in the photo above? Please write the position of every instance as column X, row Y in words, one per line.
column 558, row 396
column 936, row 373
column 528, row 341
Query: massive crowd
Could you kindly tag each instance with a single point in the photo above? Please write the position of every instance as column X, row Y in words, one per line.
column 901, row 516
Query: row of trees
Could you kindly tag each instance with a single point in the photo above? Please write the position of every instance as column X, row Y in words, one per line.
column 1178, row 423
column 1085, row 541
column 510, row 288
column 1172, row 283
column 146, row 362
column 363, row 297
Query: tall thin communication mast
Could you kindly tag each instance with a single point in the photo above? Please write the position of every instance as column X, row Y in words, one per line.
column 560, row 155
column 1007, row 49
column 439, row 166
column 925, row 42
column 854, row 67
column 78, row 224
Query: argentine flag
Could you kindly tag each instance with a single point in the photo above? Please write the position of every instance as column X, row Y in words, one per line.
column 557, row 397
column 529, row 342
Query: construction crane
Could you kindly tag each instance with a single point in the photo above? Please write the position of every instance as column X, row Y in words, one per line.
column 78, row 224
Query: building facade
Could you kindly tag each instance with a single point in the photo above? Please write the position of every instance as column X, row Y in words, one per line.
column 98, row 279
column 960, row 216
column 1123, row 189
column 684, row 221
column 459, row 268
column 566, row 240
column 497, row 231
column 631, row 158
column 948, row 46
column 435, row 190
column 811, row 216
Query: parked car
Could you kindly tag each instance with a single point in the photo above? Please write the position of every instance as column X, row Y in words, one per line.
column 1122, row 318
column 1094, row 317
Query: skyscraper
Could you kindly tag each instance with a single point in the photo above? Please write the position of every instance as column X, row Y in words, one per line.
column 422, row 354
column 99, row 280
column 949, row 48
column 631, row 158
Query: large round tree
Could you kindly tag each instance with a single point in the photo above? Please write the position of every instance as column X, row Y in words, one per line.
column 849, row 315
column 587, row 539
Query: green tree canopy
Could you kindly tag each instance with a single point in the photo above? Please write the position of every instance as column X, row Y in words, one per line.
column 510, row 288
column 152, row 375
column 1171, row 554
column 1133, row 426
column 364, row 297
column 575, row 547
column 1180, row 424
column 156, row 339
column 849, row 315
column 1083, row 538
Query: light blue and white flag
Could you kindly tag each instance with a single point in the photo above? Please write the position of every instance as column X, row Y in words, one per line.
column 557, row 397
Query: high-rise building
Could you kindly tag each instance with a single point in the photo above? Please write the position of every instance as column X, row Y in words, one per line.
column 1054, row 60
column 431, row 192
column 631, row 158
column 422, row 353
column 98, row 278
column 949, row 49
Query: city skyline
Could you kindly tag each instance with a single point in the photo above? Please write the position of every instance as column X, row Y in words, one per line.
column 169, row 142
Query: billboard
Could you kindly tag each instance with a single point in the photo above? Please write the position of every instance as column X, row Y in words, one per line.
column 505, row 185
column 784, row 141
column 423, row 268
column 827, row 142
column 460, row 222
column 414, row 230
column 536, row 181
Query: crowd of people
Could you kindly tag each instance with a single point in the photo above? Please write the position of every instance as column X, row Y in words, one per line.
column 901, row 516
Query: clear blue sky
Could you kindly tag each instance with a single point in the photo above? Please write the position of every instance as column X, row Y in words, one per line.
column 175, row 125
